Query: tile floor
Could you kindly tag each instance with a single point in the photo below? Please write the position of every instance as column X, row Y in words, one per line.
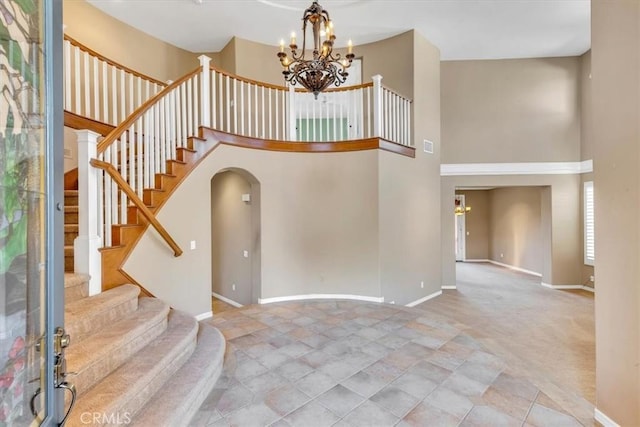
column 347, row 363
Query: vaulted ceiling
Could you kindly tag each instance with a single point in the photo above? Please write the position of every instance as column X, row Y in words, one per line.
column 462, row 29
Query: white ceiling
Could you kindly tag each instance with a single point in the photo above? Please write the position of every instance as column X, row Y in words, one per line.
column 462, row 29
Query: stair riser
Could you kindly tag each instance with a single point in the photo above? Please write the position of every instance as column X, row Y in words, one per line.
column 124, row 235
column 103, row 367
column 71, row 200
column 74, row 293
column 71, row 217
column 68, row 263
column 69, row 237
column 86, row 326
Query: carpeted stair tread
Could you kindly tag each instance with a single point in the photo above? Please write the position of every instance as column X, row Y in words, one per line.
column 177, row 404
column 104, row 351
column 76, row 286
column 84, row 316
column 127, row 389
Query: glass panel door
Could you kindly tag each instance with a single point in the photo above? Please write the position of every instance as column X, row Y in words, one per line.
column 30, row 302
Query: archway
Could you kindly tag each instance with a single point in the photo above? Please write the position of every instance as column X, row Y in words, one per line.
column 235, row 237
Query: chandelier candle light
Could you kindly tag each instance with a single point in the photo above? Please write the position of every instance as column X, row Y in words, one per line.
column 325, row 68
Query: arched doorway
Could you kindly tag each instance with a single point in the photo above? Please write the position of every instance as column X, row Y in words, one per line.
column 235, row 237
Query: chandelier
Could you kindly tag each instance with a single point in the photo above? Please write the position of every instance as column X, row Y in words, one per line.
column 324, row 68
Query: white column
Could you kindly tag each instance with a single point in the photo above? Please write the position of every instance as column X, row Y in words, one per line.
column 86, row 257
column 377, row 105
column 205, row 95
column 292, row 114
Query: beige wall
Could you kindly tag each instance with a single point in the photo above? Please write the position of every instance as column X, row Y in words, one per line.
column 517, row 110
column 232, row 233
column 616, row 121
column 562, row 258
column 516, row 227
column 410, row 192
column 476, row 223
column 125, row 44
column 258, row 61
column 319, row 228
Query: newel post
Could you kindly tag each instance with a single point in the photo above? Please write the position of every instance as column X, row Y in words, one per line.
column 377, row 105
column 292, row 114
column 205, row 96
column 86, row 257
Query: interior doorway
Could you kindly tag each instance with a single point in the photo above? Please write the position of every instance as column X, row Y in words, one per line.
column 235, row 239
column 460, row 236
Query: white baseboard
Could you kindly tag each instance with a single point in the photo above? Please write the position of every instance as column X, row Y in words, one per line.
column 513, row 267
column 320, row 296
column 568, row 287
column 604, row 420
column 449, row 287
column 421, row 300
column 476, row 260
column 202, row 316
column 227, row 300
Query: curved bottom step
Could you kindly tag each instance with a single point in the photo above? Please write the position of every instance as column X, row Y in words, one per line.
column 119, row 396
column 178, row 401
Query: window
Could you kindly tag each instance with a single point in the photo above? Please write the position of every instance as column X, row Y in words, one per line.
column 589, row 223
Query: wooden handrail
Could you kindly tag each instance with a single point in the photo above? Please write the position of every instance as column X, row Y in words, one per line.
column 111, row 170
column 133, row 117
column 284, row 88
column 247, row 80
column 112, row 62
column 341, row 88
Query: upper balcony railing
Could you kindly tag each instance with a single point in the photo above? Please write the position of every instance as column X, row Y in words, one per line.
column 99, row 88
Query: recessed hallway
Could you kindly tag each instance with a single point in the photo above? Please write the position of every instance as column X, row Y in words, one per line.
column 345, row 363
column 547, row 335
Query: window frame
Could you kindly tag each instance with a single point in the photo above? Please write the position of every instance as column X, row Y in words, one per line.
column 588, row 188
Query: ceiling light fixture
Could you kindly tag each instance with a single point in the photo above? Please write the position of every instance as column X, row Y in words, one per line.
column 324, row 68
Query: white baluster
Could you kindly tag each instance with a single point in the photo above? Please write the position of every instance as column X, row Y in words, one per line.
column 189, row 110
column 87, row 258
column 114, row 97
column 67, row 77
column 228, row 96
column 292, row 114
column 262, row 113
column 96, row 90
column 146, row 149
column 183, row 100
column 270, row 118
column 86, row 85
column 377, row 105
column 240, row 108
column 235, row 106
column 214, row 113
column 77, row 108
column 105, row 93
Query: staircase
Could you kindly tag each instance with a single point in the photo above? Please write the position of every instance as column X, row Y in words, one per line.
column 70, row 226
column 134, row 360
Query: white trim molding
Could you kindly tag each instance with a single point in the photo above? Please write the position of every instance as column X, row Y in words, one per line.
column 568, row 287
column 476, row 260
column 320, row 296
column 603, row 419
column 227, row 300
column 427, row 298
column 449, row 287
column 203, row 316
column 513, row 267
column 524, row 168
